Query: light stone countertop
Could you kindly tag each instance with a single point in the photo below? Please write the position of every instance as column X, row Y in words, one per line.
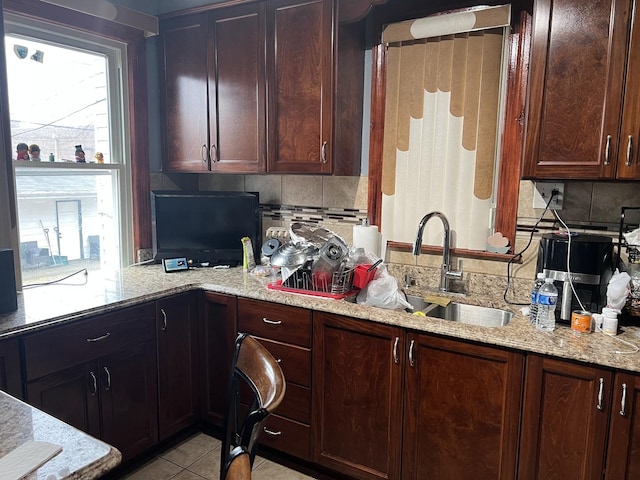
column 82, row 456
column 45, row 306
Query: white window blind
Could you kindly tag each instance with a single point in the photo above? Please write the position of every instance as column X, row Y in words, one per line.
column 442, row 124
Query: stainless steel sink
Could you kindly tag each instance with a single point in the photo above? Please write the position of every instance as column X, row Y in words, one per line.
column 464, row 313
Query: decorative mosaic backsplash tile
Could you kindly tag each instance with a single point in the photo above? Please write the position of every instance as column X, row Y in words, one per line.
column 292, row 213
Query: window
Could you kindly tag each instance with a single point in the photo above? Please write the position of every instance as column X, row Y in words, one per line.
column 66, row 97
column 443, row 111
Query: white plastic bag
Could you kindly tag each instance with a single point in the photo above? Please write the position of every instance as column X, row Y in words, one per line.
column 383, row 292
column 618, row 290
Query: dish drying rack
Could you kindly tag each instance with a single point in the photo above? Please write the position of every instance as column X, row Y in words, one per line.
column 629, row 220
column 337, row 284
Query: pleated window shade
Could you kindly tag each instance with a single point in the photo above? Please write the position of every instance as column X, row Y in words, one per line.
column 443, row 112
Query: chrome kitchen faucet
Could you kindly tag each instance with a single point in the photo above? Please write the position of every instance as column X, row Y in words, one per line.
column 445, row 272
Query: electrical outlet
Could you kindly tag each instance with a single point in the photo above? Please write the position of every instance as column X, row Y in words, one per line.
column 542, row 193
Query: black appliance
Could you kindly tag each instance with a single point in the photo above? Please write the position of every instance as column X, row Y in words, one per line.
column 205, row 227
column 590, row 268
column 8, row 293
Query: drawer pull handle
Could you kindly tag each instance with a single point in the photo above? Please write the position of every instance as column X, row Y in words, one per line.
column 600, row 406
column 271, row 432
column 94, row 384
column 108, row 386
column 98, row 339
column 279, row 360
column 271, row 322
column 623, row 403
column 396, row 360
column 607, row 151
column 411, row 359
column 164, row 319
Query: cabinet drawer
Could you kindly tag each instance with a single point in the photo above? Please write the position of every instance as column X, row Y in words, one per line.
column 63, row 347
column 278, row 322
column 287, row 436
column 294, row 361
column 296, row 403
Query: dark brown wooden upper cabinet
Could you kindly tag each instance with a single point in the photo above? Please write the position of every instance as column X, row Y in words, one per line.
column 214, row 91
column 584, row 93
column 272, row 86
column 300, row 62
column 184, row 65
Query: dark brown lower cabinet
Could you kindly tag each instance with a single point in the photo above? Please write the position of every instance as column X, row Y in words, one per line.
column 565, row 416
column 10, row 372
column 216, row 336
column 623, row 457
column 457, row 415
column 178, row 380
column 461, row 410
column 99, row 375
column 357, row 405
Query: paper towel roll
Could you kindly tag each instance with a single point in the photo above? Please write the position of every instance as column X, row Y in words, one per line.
column 367, row 237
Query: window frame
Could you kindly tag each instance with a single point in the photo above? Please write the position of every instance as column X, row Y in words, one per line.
column 135, row 109
column 115, row 53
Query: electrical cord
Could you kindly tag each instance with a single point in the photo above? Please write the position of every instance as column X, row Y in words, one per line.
column 53, row 282
column 519, row 254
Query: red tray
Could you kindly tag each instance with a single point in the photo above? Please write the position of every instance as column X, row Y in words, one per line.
column 336, row 296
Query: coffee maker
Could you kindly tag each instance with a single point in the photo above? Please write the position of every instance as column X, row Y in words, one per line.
column 590, row 268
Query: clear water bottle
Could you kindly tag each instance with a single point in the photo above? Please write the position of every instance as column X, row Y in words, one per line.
column 547, row 300
column 533, row 307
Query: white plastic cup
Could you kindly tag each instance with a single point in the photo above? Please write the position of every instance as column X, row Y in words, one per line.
column 610, row 321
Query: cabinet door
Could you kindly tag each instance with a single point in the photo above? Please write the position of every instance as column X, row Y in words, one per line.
column 10, row 376
column 629, row 157
column 578, row 58
column 623, row 457
column 217, row 336
column 564, row 420
column 461, row 410
column 71, row 396
column 178, row 381
column 185, row 98
column 357, row 401
column 129, row 396
column 299, row 39
column 237, row 86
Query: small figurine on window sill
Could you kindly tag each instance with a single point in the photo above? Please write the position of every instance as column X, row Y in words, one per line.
column 99, row 157
column 80, row 154
column 22, row 151
column 34, row 150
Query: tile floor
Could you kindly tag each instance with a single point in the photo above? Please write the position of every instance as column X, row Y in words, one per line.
column 198, row 458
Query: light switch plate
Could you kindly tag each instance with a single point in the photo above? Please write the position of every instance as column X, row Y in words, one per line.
column 542, row 193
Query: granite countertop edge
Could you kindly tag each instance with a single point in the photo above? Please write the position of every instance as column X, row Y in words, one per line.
column 142, row 284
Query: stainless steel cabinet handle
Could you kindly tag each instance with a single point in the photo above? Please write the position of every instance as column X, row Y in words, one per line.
column 629, row 150
column 323, row 152
column 396, row 360
column 600, row 406
column 411, row 359
column 203, row 153
column 108, row 385
column 100, row 338
column 623, row 403
column 213, row 151
column 271, row 432
column 607, row 151
column 94, row 384
column 271, row 322
column 164, row 319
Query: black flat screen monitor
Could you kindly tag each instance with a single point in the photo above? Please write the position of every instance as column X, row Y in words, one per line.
column 204, row 227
